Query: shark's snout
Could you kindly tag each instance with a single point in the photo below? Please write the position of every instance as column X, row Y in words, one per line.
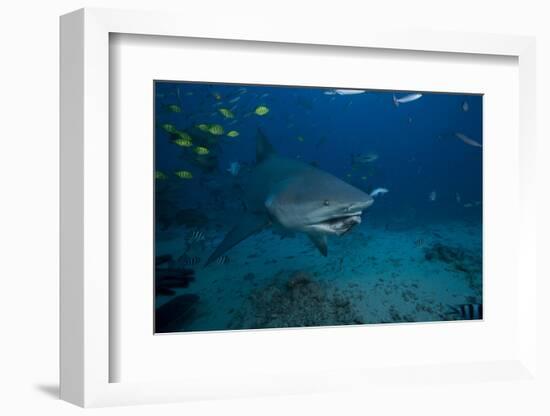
column 365, row 202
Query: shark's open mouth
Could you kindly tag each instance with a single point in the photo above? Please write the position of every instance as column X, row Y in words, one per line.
column 339, row 225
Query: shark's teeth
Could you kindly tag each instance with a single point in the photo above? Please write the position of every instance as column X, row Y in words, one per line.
column 338, row 225
column 339, row 219
column 344, row 219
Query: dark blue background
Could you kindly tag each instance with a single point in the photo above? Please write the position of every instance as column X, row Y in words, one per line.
column 416, row 141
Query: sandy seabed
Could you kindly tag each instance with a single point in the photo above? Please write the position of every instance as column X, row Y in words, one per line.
column 371, row 275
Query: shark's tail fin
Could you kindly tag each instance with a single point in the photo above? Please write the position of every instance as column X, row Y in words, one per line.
column 264, row 149
column 395, row 102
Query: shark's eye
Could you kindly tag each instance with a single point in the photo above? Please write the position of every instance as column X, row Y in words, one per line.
column 326, row 203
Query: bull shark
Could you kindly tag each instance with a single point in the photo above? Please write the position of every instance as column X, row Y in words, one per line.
column 298, row 197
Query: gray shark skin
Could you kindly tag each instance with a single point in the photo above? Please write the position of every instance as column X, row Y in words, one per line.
column 296, row 196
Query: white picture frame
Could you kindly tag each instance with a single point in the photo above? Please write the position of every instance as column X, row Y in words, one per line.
column 86, row 356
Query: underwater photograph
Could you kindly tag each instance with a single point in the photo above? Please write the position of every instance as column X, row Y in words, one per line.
column 289, row 206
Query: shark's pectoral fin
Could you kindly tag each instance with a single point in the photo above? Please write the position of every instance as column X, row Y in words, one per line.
column 248, row 225
column 320, row 241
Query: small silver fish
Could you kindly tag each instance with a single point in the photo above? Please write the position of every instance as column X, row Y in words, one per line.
column 344, row 92
column 467, row 140
column 432, row 196
column 465, row 106
column 349, row 92
column 378, row 191
column 234, row 168
column 406, row 99
column 364, row 158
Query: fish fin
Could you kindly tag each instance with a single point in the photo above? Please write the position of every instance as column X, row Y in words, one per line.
column 264, row 149
column 395, row 102
column 248, row 225
column 320, row 241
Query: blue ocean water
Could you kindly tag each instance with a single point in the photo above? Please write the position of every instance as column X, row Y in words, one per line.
column 416, row 255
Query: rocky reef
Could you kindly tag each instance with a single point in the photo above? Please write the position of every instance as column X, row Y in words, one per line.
column 296, row 299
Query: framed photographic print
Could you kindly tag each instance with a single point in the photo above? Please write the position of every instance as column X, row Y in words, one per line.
column 273, row 206
column 273, row 213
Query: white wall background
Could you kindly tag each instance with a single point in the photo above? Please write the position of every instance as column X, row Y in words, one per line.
column 29, row 205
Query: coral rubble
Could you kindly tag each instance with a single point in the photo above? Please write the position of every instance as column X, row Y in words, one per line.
column 296, row 299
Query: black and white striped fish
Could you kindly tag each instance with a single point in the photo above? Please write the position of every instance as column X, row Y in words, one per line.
column 222, row 260
column 196, row 236
column 190, row 261
column 469, row 311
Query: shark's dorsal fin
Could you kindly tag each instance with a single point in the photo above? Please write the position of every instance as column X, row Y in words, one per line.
column 264, row 149
column 248, row 225
column 320, row 241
